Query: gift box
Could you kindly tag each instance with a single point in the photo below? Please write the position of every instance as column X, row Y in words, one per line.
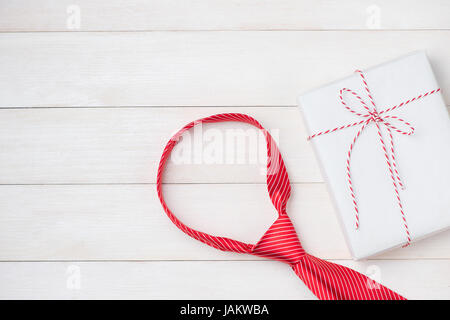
column 381, row 137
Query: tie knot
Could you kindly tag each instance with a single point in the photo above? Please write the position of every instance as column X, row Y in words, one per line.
column 280, row 242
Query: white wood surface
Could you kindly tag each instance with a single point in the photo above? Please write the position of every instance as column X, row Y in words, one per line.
column 420, row 279
column 123, row 145
column 85, row 115
column 136, row 15
column 125, row 222
column 249, row 68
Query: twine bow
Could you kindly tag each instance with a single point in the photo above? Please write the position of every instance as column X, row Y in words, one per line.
column 379, row 118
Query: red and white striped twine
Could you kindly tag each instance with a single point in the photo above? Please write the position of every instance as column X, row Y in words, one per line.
column 378, row 117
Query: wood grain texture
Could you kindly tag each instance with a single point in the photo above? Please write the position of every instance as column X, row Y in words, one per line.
column 126, row 222
column 84, row 117
column 203, row 280
column 137, row 15
column 124, row 145
column 195, row 68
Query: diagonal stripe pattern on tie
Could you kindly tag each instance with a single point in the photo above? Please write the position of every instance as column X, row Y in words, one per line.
column 328, row 281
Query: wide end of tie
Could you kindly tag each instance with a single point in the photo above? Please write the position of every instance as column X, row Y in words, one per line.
column 330, row 281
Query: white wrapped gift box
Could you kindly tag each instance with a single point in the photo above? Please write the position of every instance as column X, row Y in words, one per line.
column 423, row 158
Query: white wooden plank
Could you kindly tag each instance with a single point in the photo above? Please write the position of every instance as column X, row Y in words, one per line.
column 203, row 280
column 126, row 222
column 88, row 15
column 124, row 145
column 195, row 68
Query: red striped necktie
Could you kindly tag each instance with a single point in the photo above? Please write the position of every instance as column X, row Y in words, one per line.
column 327, row 280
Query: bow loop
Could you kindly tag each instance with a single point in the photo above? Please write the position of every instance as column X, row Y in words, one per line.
column 366, row 112
column 401, row 126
